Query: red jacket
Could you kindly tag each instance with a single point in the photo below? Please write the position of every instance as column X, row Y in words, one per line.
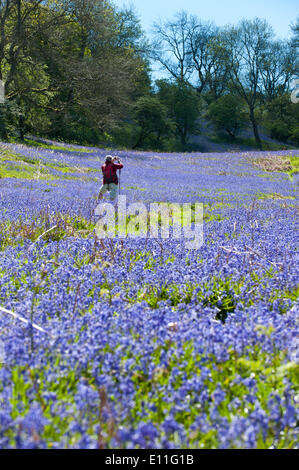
column 109, row 172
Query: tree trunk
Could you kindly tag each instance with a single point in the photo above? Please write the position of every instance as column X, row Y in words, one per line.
column 231, row 134
column 21, row 128
column 255, row 129
column 140, row 141
column 183, row 134
column 3, row 129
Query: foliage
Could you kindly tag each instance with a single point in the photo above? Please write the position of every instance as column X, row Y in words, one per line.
column 245, row 60
column 281, row 117
column 227, row 114
column 75, row 70
column 72, row 68
column 152, row 117
column 183, row 107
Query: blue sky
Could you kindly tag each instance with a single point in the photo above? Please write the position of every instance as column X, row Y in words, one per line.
column 279, row 13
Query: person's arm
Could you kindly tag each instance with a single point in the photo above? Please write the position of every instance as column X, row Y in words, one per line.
column 118, row 166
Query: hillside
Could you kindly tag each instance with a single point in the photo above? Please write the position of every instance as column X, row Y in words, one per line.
column 142, row 342
column 209, row 141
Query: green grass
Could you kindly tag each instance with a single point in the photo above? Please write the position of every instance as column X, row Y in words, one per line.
column 295, row 165
column 29, row 173
column 263, row 196
column 25, row 172
column 14, row 233
column 208, row 216
column 34, row 143
column 14, row 165
column 136, row 188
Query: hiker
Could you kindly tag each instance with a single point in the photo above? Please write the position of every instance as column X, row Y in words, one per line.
column 110, row 179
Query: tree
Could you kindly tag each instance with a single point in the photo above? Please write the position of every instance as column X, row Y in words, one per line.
column 208, row 58
column 108, row 72
column 19, row 25
column 183, row 106
column 152, row 118
column 189, row 49
column 130, row 33
column 281, row 117
column 131, row 37
column 295, row 30
column 171, row 46
column 100, row 75
column 227, row 114
column 277, row 69
column 247, row 47
column 71, row 66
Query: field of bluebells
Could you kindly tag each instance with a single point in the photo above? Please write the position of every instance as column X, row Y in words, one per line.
column 145, row 344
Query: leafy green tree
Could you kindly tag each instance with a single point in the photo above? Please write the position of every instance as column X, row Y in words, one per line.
column 102, row 77
column 295, row 135
column 73, row 67
column 183, row 106
column 152, row 118
column 24, row 78
column 227, row 114
column 281, row 117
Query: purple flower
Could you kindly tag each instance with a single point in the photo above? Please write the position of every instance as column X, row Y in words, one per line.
column 34, row 420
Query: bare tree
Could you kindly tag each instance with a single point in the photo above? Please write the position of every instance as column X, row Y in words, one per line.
column 207, row 56
column 278, row 68
column 171, row 46
column 248, row 47
column 295, row 30
column 190, row 50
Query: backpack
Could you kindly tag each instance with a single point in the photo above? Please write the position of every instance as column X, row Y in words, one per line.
column 109, row 177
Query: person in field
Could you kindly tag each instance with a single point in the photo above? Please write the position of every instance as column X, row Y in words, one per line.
column 110, row 178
